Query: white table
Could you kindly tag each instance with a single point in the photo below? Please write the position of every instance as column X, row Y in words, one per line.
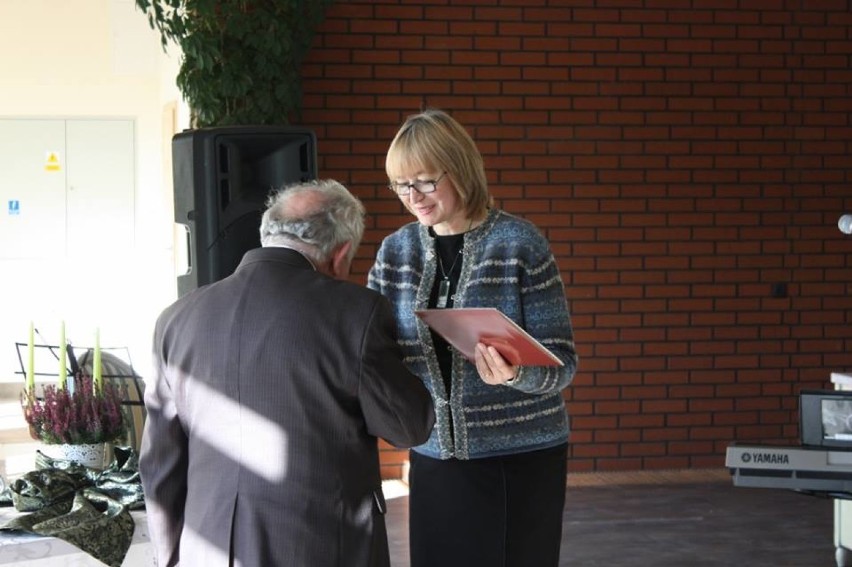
column 28, row 550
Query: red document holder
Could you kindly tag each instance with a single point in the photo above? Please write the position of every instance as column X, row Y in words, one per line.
column 464, row 327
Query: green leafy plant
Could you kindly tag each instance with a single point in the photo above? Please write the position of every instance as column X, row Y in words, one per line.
column 87, row 414
column 241, row 59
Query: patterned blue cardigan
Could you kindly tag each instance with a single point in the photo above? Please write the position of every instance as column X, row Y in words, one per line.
column 507, row 264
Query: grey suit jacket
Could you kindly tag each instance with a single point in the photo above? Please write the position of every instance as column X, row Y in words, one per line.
column 260, row 446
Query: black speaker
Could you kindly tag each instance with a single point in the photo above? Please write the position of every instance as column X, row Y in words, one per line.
column 222, row 178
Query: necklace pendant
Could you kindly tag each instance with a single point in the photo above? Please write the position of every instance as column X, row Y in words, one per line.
column 443, row 293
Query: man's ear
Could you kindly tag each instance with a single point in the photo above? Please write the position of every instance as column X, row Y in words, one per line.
column 340, row 263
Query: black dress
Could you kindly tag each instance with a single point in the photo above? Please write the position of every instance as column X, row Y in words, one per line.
column 503, row 511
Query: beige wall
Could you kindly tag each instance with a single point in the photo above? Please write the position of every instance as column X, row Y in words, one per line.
column 92, row 59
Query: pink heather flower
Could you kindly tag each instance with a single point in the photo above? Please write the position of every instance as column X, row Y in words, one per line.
column 86, row 416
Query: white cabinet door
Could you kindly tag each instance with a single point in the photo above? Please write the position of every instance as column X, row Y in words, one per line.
column 66, row 188
column 32, row 188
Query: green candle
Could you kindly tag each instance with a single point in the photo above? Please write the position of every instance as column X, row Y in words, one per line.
column 31, row 360
column 96, row 363
column 63, row 357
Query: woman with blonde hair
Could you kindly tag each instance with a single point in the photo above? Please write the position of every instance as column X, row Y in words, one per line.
column 488, row 487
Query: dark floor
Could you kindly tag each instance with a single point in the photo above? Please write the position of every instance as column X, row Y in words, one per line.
column 677, row 522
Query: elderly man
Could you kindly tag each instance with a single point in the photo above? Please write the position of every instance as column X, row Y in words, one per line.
column 272, row 387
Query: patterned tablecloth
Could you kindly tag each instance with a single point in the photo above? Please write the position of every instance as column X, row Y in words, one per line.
column 26, row 550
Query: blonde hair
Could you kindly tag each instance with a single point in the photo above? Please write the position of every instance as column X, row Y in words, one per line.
column 433, row 140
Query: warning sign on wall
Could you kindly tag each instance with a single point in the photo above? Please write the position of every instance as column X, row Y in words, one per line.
column 51, row 162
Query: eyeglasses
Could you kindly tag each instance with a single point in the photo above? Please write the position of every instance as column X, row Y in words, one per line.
column 422, row 186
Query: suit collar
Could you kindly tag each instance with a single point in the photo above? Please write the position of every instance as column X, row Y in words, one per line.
column 276, row 254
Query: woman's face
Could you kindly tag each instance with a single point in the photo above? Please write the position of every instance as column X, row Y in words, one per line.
column 442, row 209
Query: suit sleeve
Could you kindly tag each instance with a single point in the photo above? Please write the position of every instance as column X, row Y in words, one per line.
column 163, row 468
column 397, row 406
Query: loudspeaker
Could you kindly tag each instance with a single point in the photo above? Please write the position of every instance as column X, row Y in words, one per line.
column 222, row 178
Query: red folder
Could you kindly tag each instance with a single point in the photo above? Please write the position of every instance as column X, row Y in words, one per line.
column 464, row 327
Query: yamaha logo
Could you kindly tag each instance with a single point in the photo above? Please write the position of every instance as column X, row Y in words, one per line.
column 766, row 458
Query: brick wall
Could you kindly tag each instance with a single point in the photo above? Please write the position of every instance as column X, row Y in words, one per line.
column 688, row 161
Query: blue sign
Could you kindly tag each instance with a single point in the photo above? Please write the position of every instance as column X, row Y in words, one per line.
column 14, row 207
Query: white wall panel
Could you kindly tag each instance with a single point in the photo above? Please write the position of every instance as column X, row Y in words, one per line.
column 100, row 187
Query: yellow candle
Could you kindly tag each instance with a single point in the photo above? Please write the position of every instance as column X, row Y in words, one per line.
column 30, row 378
column 96, row 362
column 63, row 357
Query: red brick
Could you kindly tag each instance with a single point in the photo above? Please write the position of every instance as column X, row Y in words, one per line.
column 679, row 161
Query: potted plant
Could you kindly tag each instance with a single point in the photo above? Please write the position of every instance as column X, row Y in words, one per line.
column 76, row 423
column 240, row 59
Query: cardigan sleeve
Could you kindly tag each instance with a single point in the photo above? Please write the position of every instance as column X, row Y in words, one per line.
column 547, row 318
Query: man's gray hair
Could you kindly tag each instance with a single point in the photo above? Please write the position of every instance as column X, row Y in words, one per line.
column 314, row 217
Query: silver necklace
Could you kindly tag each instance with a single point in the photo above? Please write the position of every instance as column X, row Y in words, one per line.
column 444, row 287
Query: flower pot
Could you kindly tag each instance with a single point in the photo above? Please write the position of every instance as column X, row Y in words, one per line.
column 92, row 455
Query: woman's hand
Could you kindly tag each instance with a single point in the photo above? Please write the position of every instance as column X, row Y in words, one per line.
column 492, row 367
